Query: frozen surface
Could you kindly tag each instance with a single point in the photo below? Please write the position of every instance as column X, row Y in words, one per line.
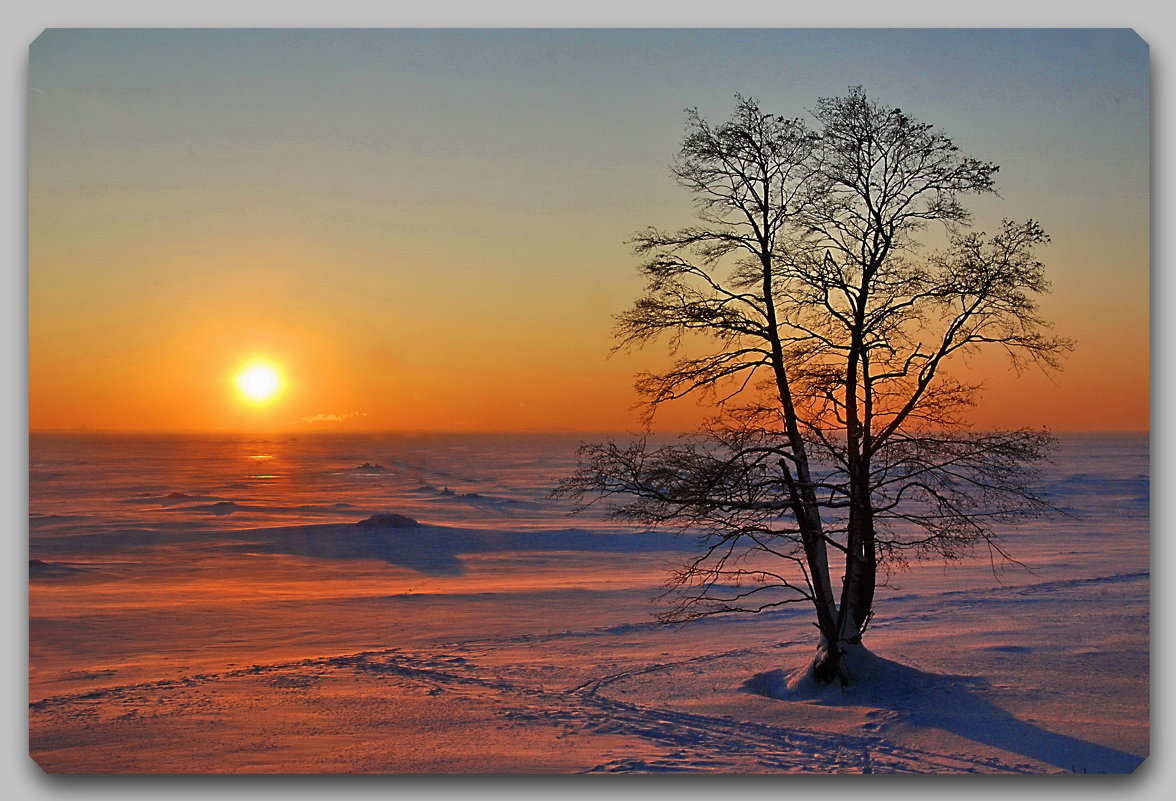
column 212, row 605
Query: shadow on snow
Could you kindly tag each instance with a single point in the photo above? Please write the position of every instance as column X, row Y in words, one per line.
column 955, row 704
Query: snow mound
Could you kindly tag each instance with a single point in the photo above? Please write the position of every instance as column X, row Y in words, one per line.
column 388, row 520
column 39, row 568
column 872, row 680
column 218, row 508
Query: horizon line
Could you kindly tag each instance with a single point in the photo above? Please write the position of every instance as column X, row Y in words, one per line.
column 480, row 432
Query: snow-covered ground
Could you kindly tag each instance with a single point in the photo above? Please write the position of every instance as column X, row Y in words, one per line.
column 211, row 605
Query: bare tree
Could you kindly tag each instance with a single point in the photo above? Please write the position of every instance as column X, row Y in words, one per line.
column 805, row 307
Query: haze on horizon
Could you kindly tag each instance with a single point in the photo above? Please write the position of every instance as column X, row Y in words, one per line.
column 426, row 230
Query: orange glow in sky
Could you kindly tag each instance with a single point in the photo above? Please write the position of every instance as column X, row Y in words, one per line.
column 437, row 220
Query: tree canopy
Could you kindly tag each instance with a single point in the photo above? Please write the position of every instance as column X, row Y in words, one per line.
column 806, row 305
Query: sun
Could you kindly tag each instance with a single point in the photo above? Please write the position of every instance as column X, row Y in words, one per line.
column 259, row 382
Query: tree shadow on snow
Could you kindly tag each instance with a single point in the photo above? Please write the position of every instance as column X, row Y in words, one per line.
column 954, row 704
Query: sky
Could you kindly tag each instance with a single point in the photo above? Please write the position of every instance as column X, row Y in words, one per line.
column 426, row 230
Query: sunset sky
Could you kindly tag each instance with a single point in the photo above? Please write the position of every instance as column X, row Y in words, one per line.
column 425, row 230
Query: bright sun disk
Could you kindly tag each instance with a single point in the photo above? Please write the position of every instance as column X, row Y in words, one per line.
column 258, row 382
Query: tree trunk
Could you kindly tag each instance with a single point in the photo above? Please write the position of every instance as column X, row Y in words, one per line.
column 861, row 563
column 836, row 663
column 863, row 599
column 857, row 588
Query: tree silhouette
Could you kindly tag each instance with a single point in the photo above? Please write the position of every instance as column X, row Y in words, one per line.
column 829, row 338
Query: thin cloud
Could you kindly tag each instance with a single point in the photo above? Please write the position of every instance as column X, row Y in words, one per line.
column 331, row 418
